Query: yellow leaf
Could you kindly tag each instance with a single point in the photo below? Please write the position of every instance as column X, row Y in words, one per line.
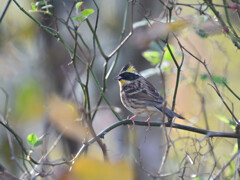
column 177, row 25
column 159, row 30
column 64, row 115
column 91, row 169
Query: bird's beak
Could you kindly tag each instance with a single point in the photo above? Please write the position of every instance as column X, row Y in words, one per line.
column 117, row 78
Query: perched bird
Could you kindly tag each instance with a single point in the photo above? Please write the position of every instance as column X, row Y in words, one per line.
column 139, row 96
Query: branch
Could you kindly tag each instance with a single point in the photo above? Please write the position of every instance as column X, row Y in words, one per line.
column 47, row 29
column 224, row 82
column 232, row 36
column 178, row 74
column 215, row 87
column 156, row 124
column 5, row 10
column 226, row 165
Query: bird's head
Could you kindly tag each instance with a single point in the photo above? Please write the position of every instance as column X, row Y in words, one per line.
column 127, row 74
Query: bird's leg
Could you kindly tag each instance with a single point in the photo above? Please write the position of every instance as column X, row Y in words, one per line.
column 132, row 119
column 148, row 121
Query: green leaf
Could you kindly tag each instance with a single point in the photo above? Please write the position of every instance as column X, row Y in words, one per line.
column 39, row 142
column 204, row 77
column 87, row 12
column 29, row 100
column 32, row 139
column 77, row 6
column 156, row 46
column 47, row 6
column 199, row 178
column 167, row 55
column 84, row 15
column 226, row 120
column 235, row 149
column 203, row 34
column 34, row 7
column 217, row 79
column 78, row 18
column 152, row 56
column 231, row 166
column 39, row 3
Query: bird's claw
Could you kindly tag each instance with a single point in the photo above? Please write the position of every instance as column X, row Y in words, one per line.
column 132, row 119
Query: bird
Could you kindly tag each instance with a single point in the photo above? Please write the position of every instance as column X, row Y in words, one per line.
column 139, row 96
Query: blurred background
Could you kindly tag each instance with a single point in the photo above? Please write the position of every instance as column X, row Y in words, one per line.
column 41, row 94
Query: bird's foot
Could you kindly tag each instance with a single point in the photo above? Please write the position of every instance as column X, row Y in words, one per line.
column 148, row 121
column 132, row 119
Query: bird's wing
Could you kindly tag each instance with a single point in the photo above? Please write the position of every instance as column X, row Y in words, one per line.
column 144, row 90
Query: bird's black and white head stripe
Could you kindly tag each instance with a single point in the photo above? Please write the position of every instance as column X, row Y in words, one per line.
column 128, row 76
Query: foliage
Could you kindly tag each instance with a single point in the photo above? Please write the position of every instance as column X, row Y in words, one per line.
column 33, row 140
column 91, row 169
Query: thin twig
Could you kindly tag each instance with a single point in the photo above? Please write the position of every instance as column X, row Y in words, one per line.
column 215, row 87
column 226, row 165
column 48, row 152
column 214, row 158
column 178, row 74
column 5, row 10
column 231, row 90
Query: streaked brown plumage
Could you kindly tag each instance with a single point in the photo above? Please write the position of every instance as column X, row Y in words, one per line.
column 139, row 96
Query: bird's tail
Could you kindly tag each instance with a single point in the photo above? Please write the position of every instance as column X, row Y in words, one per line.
column 169, row 113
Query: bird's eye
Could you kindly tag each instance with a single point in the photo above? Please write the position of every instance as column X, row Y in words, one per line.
column 129, row 76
